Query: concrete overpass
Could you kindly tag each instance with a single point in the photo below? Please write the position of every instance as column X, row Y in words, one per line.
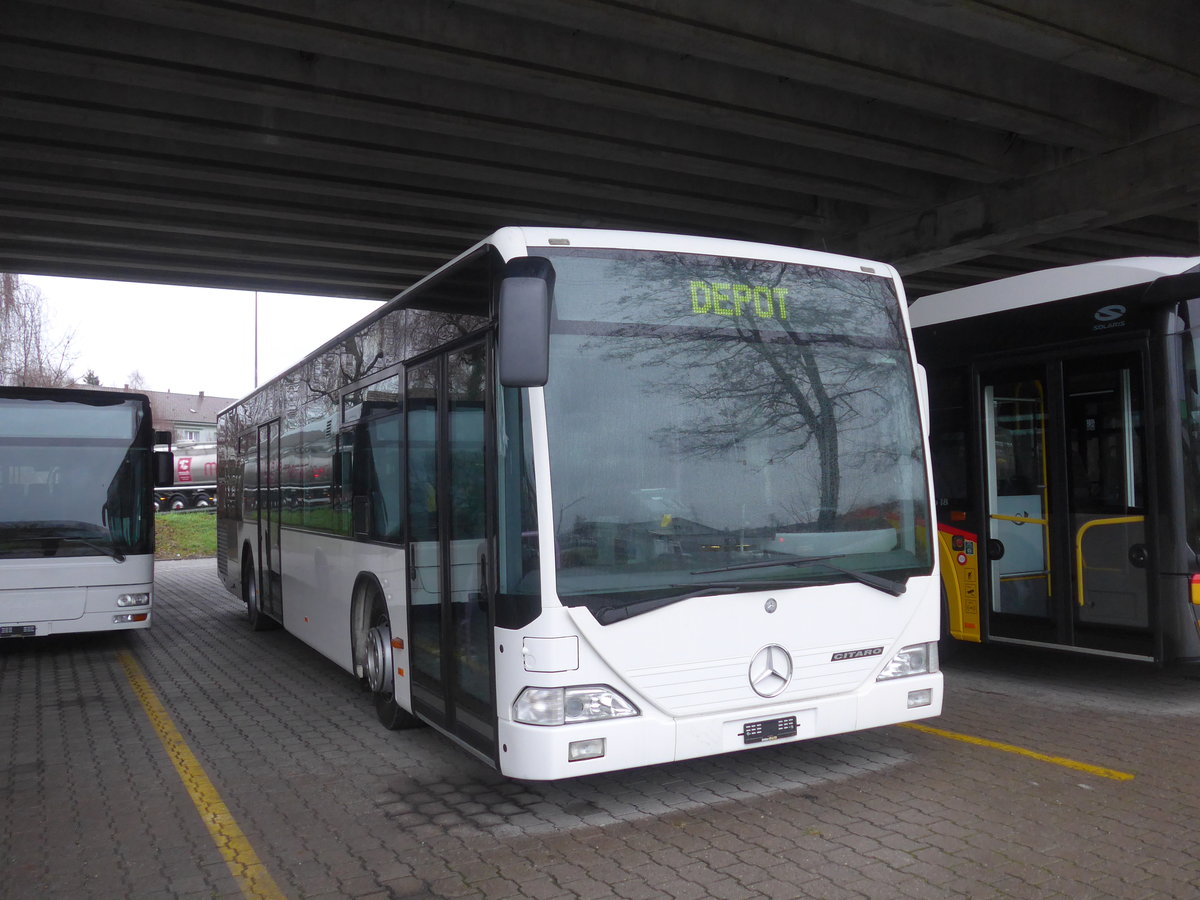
column 346, row 147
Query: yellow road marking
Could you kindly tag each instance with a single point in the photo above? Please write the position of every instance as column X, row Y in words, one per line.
column 1021, row 751
column 249, row 872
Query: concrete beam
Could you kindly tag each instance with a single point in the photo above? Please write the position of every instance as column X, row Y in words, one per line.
column 427, row 38
column 1138, row 180
column 1149, row 48
column 836, row 44
column 272, row 78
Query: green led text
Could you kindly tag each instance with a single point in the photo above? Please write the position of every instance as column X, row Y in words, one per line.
column 724, row 299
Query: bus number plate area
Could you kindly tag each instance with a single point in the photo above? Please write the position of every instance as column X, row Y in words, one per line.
column 17, row 630
column 769, row 730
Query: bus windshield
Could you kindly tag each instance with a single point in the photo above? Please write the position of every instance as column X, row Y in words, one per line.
column 705, row 413
column 72, row 479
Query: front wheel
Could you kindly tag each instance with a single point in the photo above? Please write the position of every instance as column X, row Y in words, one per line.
column 381, row 666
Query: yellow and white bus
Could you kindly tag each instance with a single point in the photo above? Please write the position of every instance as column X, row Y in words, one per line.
column 1066, row 447
column 586, row 500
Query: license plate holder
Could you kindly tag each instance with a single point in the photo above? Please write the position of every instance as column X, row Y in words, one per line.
column 769, row 730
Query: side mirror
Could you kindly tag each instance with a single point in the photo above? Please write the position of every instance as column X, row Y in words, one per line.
column 523, row 341
column 164, row 468
column 162, row 437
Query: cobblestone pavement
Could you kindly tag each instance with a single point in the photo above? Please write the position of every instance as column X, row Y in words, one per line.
column 334, row 806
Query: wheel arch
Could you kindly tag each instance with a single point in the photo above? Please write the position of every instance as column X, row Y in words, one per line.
column 360, row 617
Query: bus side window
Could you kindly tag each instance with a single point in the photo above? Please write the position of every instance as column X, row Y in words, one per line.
column 377, row 506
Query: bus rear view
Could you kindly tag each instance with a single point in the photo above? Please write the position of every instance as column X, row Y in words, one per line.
column 76, row 527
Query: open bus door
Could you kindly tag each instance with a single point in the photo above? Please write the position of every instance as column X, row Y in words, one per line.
column 1064, row 500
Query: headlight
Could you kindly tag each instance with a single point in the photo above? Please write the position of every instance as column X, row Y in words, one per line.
column 142, row 599
column 918, row 659
column 565, row 706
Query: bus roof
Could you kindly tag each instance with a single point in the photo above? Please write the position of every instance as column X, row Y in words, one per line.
column 1045, row 286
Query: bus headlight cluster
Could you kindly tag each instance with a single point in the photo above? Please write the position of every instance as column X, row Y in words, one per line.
column 916, row 659
column 142, row 599
column 565, row 706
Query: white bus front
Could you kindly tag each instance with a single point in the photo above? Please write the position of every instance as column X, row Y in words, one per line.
column 76, row 531
column 720, row 530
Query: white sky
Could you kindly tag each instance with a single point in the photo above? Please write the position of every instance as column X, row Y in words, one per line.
column 187, row 340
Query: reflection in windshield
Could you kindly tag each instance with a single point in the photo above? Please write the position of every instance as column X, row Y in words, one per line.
column 708, row 412
column 71, row 480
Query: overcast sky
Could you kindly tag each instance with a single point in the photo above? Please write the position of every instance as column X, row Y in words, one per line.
column 187, row 340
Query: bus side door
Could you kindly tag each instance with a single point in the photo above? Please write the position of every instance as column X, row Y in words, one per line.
column 449, row 565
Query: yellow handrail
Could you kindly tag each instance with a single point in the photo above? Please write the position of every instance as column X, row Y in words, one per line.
column 1119, row 520
column 1020, row 520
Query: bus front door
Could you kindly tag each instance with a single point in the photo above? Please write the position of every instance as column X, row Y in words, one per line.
column 449, row 563
column 270, row 589
column 1069, row 561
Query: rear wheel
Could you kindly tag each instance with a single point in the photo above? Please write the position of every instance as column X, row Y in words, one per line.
column 380, row 664
column 259, row 621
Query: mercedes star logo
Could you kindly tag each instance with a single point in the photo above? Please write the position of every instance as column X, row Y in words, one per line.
column 770, row 671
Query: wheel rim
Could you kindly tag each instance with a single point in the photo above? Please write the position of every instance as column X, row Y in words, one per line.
column 251, row 591
column 379, row 658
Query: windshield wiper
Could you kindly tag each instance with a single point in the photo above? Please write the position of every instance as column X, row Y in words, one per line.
column 895, row 588
column 606, row 615
column 609, row 614
column 111, row 550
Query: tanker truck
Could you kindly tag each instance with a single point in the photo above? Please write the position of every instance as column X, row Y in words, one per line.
column 195, row 482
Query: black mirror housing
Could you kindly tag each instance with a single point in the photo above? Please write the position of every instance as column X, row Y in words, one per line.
column 523, row 339
column 164, row 468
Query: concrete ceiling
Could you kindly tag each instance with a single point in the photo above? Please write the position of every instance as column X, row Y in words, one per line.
column 346, row 147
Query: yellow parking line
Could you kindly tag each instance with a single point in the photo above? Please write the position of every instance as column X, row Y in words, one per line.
column 1021, row 751
column 249, row 872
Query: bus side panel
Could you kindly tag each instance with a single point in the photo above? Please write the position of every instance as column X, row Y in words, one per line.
column 320, row 573
column 229, row 562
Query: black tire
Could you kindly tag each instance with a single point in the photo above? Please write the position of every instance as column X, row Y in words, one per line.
column 178, row 502
column 259, row 620
column 379, row 665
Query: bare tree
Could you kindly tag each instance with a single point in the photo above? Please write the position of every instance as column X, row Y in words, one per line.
column 810, row 372
column 135, row 381
column 29, row 355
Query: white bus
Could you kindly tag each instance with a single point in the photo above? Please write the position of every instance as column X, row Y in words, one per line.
column 77, row 474
column 585, row 500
